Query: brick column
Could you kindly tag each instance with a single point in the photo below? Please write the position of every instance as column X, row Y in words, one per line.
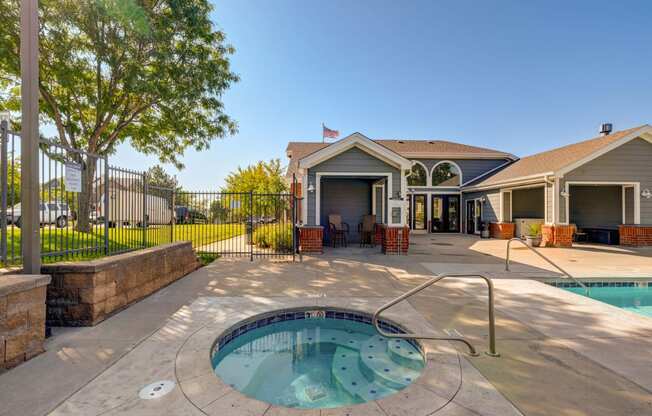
column 635, row 235
column 502, row 230
column 22, row 318
column 390, row 241
column 378, row 234
column 558, row 235
column 311, row 239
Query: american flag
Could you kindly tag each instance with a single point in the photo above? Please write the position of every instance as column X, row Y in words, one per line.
column 332, row 134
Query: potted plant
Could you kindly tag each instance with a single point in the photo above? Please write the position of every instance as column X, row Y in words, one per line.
column 484, row 233
column 533, row 236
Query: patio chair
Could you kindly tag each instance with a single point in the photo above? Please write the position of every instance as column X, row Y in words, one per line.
column 367, row 230
column 337, row 230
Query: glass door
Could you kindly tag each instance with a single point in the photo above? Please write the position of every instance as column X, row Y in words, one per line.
column 445, row 214
column 470, row 217
column 418, row 212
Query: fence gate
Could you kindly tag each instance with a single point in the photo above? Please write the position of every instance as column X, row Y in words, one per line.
column 237, row 223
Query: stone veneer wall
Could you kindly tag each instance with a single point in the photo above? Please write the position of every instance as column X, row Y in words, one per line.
column 86, row 293
column 502, row 230
column 635, row 235
column 22, row 318
column 391, row 243
column 557, row 235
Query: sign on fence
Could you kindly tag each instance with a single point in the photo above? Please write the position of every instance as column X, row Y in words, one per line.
column 72, row 179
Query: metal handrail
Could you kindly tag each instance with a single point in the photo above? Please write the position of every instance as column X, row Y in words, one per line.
column 492, row 323
column 553, row 264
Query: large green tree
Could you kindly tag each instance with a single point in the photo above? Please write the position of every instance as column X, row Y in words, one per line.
column 151, row 72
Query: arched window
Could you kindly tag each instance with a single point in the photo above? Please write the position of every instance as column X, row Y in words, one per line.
column 446, row 174
column 418, row 177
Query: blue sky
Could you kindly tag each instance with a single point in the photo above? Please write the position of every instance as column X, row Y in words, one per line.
column 518, row 76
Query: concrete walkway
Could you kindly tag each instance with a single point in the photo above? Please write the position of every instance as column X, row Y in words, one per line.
column 562, row 354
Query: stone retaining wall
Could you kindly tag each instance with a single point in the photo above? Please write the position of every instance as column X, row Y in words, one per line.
column 86, row 293
column 22, row 318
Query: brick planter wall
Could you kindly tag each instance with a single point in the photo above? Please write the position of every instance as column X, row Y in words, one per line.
column 86, row 293
column 378, row 234
column 311, row 239
column 391, row 243
column 557, row 235
column 502, row 230
column 22, row 318
column 635, row 235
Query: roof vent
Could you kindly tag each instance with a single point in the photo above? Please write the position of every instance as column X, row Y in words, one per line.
column 401, row 141
column 606, row 129
column 431, row 142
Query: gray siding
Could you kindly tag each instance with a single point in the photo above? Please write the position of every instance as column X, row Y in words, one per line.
column 507, row 203
column 353, row 160
column 528, row 203
column 596, row 206
column 471, row 168
column 631, row 162
column 629, row 205
column 490, row 209
column 548, row 194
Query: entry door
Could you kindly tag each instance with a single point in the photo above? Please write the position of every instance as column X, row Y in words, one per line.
column 418, row 212
column 445, row 214
column 470, row 217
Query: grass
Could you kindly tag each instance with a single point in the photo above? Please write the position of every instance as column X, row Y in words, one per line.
column 91, row 245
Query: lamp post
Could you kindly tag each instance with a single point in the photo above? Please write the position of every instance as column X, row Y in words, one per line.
column 29, row 72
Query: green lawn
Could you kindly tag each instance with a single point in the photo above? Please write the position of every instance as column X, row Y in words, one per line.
column 91, row 245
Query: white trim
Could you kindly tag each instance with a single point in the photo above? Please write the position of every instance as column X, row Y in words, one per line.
column 510, row 182
column 363, row 143
column 459, row 169
column 635, row 185
column 425, row 155
column 643, row 131
column 318, row 176
column 501, row 216
column 555, row 203
column 382, row 199
column 490, row 171
column 304, row 199
column 416, row 162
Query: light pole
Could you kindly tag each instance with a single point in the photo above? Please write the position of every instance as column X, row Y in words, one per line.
column 29, row 198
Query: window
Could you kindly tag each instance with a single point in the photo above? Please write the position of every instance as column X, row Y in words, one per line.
column 446, row 174
column 418, row 177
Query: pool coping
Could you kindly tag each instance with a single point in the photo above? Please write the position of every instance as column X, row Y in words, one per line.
column 434, row 389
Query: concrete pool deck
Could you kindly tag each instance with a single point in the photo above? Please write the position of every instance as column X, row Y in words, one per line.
column 562, row 354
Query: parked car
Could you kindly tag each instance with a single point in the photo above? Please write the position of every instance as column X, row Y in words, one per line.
column 56, row 213
column 185, row 215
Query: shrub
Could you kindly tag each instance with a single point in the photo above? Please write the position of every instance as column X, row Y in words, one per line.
column 274, row 236
column 534, row 230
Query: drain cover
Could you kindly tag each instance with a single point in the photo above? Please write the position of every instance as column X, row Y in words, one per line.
column 156, row 390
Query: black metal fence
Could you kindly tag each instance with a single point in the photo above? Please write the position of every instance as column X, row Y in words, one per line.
column 90, row 209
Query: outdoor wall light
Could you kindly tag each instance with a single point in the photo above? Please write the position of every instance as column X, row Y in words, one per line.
column 5, row 116
column 483, row 199
column 311, row 187
column 647, row 194
column 564, row 194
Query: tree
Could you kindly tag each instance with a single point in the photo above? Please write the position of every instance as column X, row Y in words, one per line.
column 148, row 71
column 261, row 178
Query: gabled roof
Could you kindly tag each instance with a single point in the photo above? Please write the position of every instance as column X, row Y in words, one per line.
column 560, row 160
column 407, row 148
column 355, row 140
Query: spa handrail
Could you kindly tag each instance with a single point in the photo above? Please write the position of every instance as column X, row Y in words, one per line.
column 492, row 323
column 553, row 264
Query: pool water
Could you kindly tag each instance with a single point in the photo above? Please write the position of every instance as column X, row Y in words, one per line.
column 637, row 299
column 317, row 363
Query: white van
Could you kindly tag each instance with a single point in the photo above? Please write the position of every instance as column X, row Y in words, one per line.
column 56, row 213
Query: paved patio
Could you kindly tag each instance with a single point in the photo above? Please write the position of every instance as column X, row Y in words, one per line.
column 562, row 354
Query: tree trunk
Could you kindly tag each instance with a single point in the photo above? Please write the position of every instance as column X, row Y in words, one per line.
column 85, row 196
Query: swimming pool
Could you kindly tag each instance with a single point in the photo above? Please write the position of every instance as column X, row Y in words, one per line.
column 323, row 360
column 632, row 296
